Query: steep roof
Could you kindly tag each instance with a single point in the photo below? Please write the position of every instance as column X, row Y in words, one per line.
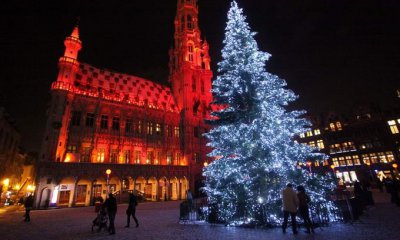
column 122, row 87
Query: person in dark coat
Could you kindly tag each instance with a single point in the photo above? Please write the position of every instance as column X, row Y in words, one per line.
column 131, row 211
column 111, row 206
column 304, row 200
column 28, row 207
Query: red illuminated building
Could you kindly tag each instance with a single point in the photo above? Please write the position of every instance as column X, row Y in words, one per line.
column 149, row 135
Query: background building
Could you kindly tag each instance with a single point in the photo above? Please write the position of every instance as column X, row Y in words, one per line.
column 360, row 146
column 148, row 135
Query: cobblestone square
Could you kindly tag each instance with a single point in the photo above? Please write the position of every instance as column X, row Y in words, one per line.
column 159, row 220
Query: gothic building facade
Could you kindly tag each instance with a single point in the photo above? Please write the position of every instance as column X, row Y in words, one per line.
column 148, row 135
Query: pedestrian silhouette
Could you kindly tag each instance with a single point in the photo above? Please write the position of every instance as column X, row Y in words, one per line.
column 28, row 207
column 304, row 200
column 290, row 202
column 111, row 206
column 131, row 210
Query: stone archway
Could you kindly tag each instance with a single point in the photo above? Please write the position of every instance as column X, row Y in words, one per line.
column 184, row 186
column 151, row 189
column 174, row 188
column 163, row 189
column 140, row 185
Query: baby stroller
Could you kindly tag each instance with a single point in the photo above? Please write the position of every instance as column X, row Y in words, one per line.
column 100, row 221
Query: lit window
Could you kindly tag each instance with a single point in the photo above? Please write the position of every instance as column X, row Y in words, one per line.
column 149, row 159
column 332, row 126
column 316, row 163
column 338, row 126
column 356, row 160
column 317, row 132
column 71, row 149
column 374, row 158
column 149, row 128
column 393, row 127
column 158, row 129
column 382, row 157
column 342, row 161
column 309, row 134
column 366, row 159
column 169, row 158
column 127, row 156
column 177, row 158
column 335, row 162
column 320, row 144
column 302, row 135
column 176, row 131
column 100, row 155
column 312, row 144
column 128, row 125
column 349, row 161
column 190, row 53
column 137, row 157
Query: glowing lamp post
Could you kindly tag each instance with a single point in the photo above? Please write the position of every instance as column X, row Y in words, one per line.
column 394, row 165
column 205, row 164
column 108, row 172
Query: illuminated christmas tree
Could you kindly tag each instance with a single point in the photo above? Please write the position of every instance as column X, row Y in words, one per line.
column 253, row 138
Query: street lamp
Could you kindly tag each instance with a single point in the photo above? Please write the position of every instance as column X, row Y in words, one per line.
column 108, row 172
column 205, row 164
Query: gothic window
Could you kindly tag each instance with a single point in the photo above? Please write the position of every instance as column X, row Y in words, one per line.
column 104, row 122
column 190, row 53
column 114, row 156
column 149, row 159
column 137, row 157
column 89, row 119
column 127, row 156
column 202, row 86
column 115, row 123
column 182, row 23
column 100, row 155
column 128, row 125
column 193, row 84
column 149, row 128
column 177, row 158
column 176, row 132
column 158, row 129
column 189, row 22
column 71, row 149
column 196, row 132
column 169, row 158
column 85, row 154
column 76, row 118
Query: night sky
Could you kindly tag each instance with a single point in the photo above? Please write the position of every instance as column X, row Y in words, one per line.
column 335, row 54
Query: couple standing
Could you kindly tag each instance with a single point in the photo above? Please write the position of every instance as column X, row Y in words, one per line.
column 291, row 201
column 111, row 205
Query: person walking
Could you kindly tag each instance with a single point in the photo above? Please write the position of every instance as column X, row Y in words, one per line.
column 290, row 202
column 304, row 200
column 111, row 206
column 131, row 210
column 28, row 204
